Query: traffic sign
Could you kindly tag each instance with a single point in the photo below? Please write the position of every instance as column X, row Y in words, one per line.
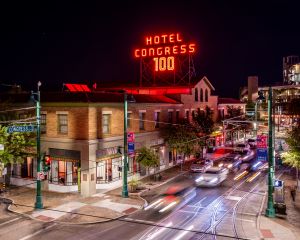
column 278, row 183
column 130, row 137
column 22, row 128
column 262, row 154
column 262, row 141
column 130, row 147
column 40, row 175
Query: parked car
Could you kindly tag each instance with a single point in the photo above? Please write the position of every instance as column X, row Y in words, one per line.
column 252, row 142
column 247, row 155
column 213, row 176
column 173, row 198
column 232, row 162
column 201, row 165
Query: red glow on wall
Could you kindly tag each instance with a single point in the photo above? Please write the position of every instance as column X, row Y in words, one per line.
column 77, row 87
column 159, row 91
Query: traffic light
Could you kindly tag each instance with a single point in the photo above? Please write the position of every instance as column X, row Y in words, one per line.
column 47, row 163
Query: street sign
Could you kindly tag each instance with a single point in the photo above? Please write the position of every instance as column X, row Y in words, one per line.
column 262, row 141
column 130, row 147
column 130, row 137
column 23, row 128
column 278, row 183
column 262, row 154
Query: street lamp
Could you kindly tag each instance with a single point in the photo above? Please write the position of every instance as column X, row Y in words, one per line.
column 270, row 211
column 125, row 161
column 39, row 200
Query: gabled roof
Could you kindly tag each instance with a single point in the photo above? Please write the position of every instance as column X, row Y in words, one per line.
column 229, row 101
column 205, row 79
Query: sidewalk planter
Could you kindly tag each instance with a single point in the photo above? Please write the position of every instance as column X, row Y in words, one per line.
column 133, row 184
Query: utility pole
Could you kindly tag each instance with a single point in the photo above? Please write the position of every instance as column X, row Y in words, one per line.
column 125, row 187
column 39, row 200
column 270, row 211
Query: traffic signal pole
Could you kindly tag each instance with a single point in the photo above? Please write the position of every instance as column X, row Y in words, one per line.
column 39, row 200
column 125, row 187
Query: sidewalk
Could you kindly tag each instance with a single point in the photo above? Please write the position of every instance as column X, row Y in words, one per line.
column 283, row 227
column 71, row 208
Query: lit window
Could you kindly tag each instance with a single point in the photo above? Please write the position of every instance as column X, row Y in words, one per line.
column 129, row 115
column 106, row 123
column 142, row 120
column 63, row 123
column 43, row 123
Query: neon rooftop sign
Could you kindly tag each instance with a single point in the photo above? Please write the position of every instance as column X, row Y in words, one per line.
column 163, row 49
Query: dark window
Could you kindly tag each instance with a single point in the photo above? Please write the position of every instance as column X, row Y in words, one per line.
column 170, row 117
column 177, row 116
column 201, row 95
column 156, row 116
column 196, row 94
column 43, row 123
column 206, row 95
column 142, row 120
column 187, row 114
column 63, row 123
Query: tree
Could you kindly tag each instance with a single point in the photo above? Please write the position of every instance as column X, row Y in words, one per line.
column 17, row 146
column 181, row 138
column 203, row 122
column 147, row 158
column 292, row 157
column 233, row 111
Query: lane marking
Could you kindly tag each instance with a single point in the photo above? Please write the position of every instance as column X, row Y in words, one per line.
column 37, row 232
column 10, row 221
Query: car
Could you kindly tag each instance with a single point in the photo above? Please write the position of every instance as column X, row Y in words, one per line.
column 201, row 165
column 247, row 155
column 233, row 162
column 252, row 142
column 172, row 198
column 242, row 146
column 213, row 176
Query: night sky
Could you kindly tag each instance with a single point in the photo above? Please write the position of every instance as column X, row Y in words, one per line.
column 67, row 42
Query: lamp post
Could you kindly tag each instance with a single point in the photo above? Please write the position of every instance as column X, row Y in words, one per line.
column 39, row 200
column 255, row 123
column 125, row 187
column 270, row 211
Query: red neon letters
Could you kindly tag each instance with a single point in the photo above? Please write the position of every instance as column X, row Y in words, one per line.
column 163, row 48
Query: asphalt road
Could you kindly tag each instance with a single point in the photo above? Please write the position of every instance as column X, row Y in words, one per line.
column 225, row 212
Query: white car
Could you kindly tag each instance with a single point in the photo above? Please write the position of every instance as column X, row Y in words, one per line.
column 213, row 176
column 201, row 165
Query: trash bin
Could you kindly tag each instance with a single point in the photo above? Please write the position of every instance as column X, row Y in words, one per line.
column 280, row 208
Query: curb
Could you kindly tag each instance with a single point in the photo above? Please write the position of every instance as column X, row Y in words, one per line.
column 55, row 221
column 259, row 216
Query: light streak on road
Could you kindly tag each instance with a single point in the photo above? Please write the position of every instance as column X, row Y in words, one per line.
column 186, row 231
column 155, row 234
column 168, row 206
column 152, row 204
column 239, row 176
column 255, row 175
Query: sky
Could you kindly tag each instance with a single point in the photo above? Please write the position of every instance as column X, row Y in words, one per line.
column 64, row 42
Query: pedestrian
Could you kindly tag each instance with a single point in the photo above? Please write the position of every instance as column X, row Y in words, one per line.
column 293, row 193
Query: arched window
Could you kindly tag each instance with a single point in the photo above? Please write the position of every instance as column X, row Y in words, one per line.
column 201, row 95
column 196, row 94
column 206, row 95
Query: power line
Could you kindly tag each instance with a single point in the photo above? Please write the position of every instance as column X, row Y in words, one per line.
column 17, row 109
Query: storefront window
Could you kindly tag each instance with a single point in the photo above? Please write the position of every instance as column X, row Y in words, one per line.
column 64, row 172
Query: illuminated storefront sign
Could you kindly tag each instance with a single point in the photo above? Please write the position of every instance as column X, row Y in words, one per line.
column 163, row 49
